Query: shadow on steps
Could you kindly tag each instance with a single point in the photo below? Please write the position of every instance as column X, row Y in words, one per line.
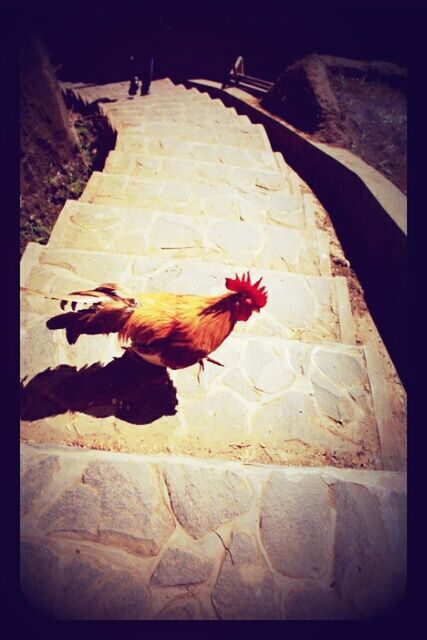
column 127, row 387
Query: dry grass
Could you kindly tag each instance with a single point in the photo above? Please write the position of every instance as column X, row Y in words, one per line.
column 47, row 181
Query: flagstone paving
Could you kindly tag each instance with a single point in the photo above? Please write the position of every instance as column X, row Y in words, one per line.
column 139, row 165
column 272, row 487
column 150, row 105
column 244, row 203
column 129, row 122
column 208, row 115
column 207, row 540
column 301, row 307
column 249, row 136
column 185, row 150
column 122, row 230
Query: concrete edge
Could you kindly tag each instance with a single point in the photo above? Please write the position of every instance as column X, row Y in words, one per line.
column 29, row 259
column 371, row 477
column 310, row 219
column 388, row 195
column 348, row 329
column 323, row 249
column 295, row 182
column 265, row 138
column 280, row 161
column 388, row 426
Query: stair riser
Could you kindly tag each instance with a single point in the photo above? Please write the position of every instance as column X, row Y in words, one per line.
column 267, row 518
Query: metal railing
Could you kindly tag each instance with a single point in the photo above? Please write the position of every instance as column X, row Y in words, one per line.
column 236, row 76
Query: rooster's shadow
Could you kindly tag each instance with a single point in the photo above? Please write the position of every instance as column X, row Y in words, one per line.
column 127, row 387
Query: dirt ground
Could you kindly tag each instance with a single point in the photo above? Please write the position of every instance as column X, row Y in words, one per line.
column 375, row 124
column 359, row 106
column 50, row 176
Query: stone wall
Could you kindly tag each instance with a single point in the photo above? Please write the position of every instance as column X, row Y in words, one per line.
column 120, row 536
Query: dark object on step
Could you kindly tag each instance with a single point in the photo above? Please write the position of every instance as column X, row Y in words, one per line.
column 133, row 87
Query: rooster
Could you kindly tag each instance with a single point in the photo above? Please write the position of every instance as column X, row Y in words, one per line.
column 165, row 329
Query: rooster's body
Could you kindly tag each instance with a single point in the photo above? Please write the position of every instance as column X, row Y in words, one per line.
column 168, row 330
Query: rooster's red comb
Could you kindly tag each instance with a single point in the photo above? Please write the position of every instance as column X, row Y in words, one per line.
column 244, row 284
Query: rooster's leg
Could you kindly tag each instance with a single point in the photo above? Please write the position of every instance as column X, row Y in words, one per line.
column 201, row 368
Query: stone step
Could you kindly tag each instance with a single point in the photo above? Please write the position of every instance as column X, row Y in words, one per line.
column 137, row 108
column 118, row 91
column 160, row 84
column 165, row 85
column 201, row 118
column 201, row 199
column 300, row 307
column 129, row 231
column 184, row 150
column 207, row 540
column 189, row 106
column 164, row 168
column 273, row 400
column 183, row 96
column 252, row 137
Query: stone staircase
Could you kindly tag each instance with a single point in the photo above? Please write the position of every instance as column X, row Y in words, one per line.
column 274, row 488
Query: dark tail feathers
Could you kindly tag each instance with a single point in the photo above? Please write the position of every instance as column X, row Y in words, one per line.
column 100, row 318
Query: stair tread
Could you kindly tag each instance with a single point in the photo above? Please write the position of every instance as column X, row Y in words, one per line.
column 157, row 86
column 200, row 199
column 123, row 230
column 119, row 93
column 154, row 167
column 140, row 107
column 306, row 404
column 209, row 152
column 204, row 119
column 255, row 137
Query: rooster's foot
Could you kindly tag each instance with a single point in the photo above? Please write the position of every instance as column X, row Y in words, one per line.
column 202, row 366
